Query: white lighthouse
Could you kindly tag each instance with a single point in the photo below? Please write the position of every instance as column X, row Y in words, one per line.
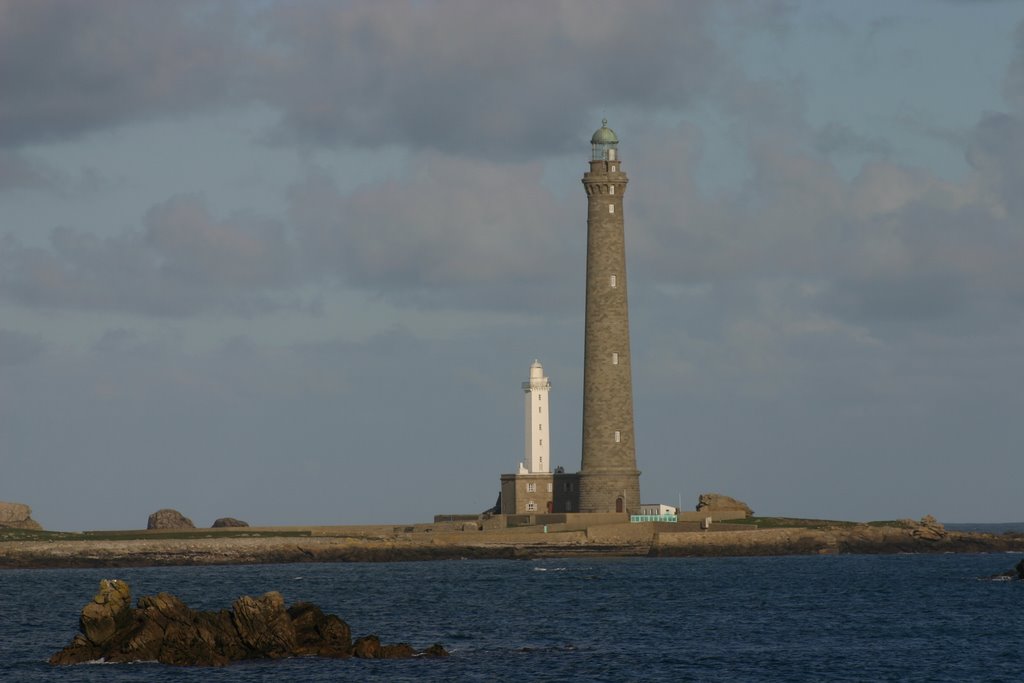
column 538, row 422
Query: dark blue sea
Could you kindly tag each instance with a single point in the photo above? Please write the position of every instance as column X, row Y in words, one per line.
column 828, row 618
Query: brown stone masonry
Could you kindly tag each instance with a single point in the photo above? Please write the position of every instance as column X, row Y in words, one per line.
column 609, row 480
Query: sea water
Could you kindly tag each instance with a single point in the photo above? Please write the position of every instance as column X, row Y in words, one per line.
column 822, row 618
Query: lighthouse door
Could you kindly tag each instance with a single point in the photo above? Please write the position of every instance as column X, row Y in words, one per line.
column 618, row 504
column 551, row 507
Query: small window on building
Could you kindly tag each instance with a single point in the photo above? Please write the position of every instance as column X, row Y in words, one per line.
column 531, row 506
column 613, row 168
column 540, row 426
column 611, row 281
column 611, row 189
column 531, row 488
column 611, row 208
column 617, row 437
column 568, row 506
column 551, row 487
column 615, row 358
column 539, row 409
column 540, row 442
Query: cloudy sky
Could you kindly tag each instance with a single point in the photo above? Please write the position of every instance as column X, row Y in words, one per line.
column 290, row 261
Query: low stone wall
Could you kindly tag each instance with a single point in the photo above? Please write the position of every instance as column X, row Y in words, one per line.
column 715, row 515
column 628, row 532
column 455, row 518
column 562, row 521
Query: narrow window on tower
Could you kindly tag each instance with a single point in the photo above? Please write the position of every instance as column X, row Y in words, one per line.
column 611, row 281
column 611, row 208
column 541, row 442
column 540, row 427
column 615, row 358
column 616, row 437
column 611, row 190
column 539, row 409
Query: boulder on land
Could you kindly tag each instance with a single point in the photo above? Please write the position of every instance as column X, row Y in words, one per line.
column 169, row 519
column 710, row 502
column 17, row 516
column 224, row 522
column 928, row 529
column 163, row 629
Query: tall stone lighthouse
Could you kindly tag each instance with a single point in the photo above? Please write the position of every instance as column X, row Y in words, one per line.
column 609, row 480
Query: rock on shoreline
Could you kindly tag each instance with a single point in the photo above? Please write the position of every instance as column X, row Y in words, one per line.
column 710, row 502
column 17, row 516
column 228, row 522
column 169, row 519
column 163, row 629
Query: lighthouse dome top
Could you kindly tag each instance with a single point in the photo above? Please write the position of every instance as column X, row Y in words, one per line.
column 604, row 135
column 536, row 370
column 603, row 143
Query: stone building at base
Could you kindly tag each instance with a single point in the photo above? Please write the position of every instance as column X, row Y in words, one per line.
column 527, row 494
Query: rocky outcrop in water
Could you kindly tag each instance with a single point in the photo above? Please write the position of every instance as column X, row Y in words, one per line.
column 163, row 629
column 169, row 519
column 710, row 502
column 1015, row 574
column 17, row 516
column 226, row 522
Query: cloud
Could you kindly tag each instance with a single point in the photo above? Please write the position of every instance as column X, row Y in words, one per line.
column 995, row 150
column 71, row 68
column 18, row 347
column 778, row 222
column 895, row 243
column 449, row 232
column 183, row 262
column 446, row 75
column 238, row 253
column 18, row 171
column 510, row 81
column 1013, row 83
column 836, row 137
